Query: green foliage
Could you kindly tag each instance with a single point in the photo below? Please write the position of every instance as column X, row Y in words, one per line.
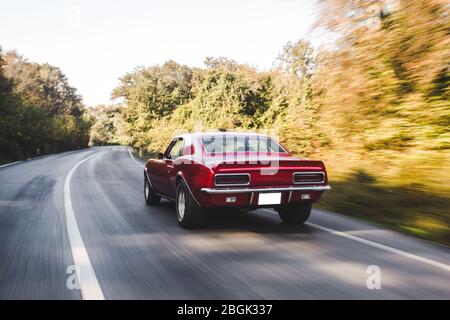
column 230, row 96
column 109, row 126
column 40, row 112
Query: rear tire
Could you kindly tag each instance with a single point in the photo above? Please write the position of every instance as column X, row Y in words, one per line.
column 295, row 214
column 151, row 198
column 189, row 214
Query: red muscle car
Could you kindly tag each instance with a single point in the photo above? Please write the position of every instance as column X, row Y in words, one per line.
column 200, row 171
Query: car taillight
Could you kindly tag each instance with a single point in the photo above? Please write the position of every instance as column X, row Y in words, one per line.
column 308, row 177
column 224, row 180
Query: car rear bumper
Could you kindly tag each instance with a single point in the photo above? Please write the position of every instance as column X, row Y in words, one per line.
column 250, row 197
column 261, row 190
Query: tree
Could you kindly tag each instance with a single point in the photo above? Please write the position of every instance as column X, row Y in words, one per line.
column 39, row 111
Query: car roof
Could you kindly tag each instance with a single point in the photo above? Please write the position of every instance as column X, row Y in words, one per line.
column 219, row 133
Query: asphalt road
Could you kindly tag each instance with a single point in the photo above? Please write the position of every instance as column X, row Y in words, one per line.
column 56, row 212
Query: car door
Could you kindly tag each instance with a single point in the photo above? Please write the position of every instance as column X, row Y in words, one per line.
column 169, row 171
column 158, row 172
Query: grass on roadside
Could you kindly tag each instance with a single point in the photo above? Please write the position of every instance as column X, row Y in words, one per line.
column 408, row 208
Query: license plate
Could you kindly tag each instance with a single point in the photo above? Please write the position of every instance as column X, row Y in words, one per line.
column 269, row 198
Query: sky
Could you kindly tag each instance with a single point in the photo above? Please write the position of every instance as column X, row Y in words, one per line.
column 96, row 42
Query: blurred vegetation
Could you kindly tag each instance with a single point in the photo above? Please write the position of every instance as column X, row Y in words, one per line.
column 40, row 112
column 109, row 127
column 385, row 104
column 372, row 103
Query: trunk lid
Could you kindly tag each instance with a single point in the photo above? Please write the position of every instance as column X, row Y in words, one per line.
column 266, row 170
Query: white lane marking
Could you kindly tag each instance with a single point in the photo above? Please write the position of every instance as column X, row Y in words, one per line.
column 131, row 155
column 377, row 245
column 35, row 158
column 383, row 247
column 10, row 164
column 90, row 288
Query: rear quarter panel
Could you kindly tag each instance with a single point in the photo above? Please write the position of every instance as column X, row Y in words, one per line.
column 197, row 176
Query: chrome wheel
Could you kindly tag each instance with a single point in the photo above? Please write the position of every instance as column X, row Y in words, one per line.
column 181, row 205
column 151, row 198
column 146, row 190
column 189, row 214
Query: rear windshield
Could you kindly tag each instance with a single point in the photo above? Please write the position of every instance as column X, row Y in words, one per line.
column 229, row 143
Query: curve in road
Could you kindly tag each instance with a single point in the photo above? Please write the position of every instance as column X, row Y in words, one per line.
column 139, row 252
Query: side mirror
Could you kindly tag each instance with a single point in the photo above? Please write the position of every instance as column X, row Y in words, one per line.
column 160, row 156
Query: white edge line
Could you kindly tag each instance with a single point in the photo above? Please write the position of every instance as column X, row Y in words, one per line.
column 89, row 285
column 380, row 246
column 10, row 164
column 383, row 247
column 39, row 157
column 131, row 155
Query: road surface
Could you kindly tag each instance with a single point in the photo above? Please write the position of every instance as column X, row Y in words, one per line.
column 86, row 208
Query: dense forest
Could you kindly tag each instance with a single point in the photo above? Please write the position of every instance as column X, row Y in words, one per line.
column 372, row 103
column 40, row 112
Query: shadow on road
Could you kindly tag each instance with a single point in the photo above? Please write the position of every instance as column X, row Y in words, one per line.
column 257, row 221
